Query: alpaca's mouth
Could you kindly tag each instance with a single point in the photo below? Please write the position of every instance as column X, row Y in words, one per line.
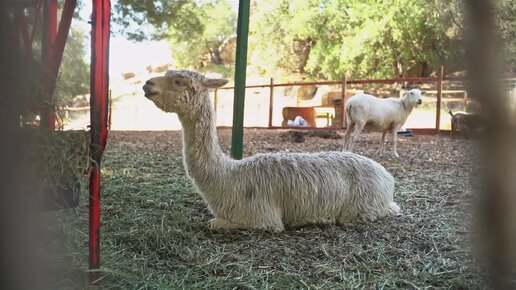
column 419, row 102
column 148, row 91
column 150, row 94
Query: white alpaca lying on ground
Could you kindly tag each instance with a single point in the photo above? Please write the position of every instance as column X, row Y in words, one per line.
column 268, row 191
column 378, row 115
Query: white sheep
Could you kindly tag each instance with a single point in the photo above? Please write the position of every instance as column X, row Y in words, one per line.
column 268, row 191
column 378, row 115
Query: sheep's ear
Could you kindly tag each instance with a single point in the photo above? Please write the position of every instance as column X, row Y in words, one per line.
column 214, row 83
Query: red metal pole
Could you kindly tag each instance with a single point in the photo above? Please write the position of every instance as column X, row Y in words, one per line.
column 99, row 84
column 53, row 43
column 62, row 34
column 52, row 22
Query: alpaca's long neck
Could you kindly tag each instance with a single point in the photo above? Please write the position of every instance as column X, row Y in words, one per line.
column 203, row 158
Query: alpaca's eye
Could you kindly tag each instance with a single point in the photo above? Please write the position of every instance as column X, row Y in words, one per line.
column 178, row 82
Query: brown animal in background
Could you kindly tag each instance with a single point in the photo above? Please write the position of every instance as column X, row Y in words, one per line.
column 466, row 125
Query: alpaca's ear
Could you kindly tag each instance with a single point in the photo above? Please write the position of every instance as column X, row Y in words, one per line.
column 214, row 83
column 181, row 81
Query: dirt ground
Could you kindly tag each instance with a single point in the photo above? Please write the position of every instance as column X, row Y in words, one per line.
column 155, row 234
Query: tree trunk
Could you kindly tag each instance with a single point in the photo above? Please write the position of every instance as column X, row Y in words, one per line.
column 426, row 70
column 215, row 57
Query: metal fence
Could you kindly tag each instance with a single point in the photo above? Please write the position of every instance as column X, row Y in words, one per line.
column 441, row 95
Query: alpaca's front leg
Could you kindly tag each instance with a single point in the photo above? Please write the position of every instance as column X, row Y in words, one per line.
column 218, row 224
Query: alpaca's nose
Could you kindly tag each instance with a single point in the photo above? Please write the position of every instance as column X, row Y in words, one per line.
column 148, row 88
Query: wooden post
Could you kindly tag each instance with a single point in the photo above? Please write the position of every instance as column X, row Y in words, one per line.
column 343, row 98
column 271, row 101
column 215, row 100
column 439, row 99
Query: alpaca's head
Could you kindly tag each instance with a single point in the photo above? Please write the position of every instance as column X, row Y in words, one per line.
column 180, row 91
column 414, row 96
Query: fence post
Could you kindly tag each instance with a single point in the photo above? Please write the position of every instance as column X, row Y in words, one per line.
column 237, row 135
column 271, row 101
column 343, row 101
column 215, row 100
column 439, row 99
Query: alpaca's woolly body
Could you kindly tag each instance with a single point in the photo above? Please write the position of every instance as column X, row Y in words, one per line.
column 271, row 191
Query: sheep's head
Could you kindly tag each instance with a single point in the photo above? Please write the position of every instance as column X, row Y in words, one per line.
column 180, row 91
column 414, row 96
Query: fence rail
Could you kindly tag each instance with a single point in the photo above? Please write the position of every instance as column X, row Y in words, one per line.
column 340, row 122
column 352, row 82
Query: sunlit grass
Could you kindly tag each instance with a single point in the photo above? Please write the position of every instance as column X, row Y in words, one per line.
column 155, row 235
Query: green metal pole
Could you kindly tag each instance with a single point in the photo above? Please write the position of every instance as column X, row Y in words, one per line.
column 237, row 138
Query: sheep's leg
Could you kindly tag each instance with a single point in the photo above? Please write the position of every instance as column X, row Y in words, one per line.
column 394, row 133
column 358, row 129
column 382, row 143
column 347, row 135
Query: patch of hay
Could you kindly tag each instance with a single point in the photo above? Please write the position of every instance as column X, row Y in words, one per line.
column 155, row 233
column 55, row 160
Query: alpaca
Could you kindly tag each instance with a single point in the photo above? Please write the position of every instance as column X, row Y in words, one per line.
column 268, row 191
column 378, row 115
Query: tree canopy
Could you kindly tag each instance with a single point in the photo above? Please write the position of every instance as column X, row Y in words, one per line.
column 365, row 38
column 507, row 26
column 195, row 29
column 73, row 78
column 74, row 74
column 318, row 38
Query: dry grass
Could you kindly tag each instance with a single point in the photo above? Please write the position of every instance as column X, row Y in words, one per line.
column 55, row 161
column 155, row 235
